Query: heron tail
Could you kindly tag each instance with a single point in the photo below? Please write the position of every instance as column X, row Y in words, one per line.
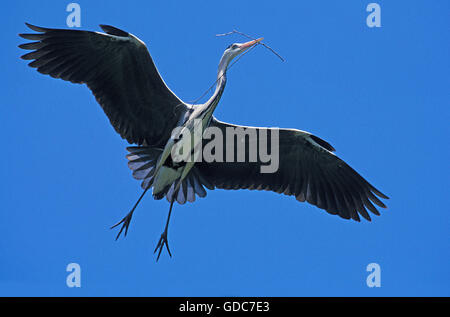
column 143, row 161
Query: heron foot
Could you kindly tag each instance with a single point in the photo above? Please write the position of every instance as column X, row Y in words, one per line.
column 162, row 241
column 125, row 224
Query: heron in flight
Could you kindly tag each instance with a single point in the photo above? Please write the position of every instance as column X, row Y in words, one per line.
column 118, row 69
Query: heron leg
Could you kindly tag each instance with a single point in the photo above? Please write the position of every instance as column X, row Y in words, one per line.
column 163, row 240
column 127, row 219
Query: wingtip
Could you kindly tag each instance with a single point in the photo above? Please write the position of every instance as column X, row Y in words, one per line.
column 366, row 217
column 380, row 194
column 36, row 28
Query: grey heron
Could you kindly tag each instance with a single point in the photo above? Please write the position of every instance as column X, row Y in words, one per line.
column 118, row 69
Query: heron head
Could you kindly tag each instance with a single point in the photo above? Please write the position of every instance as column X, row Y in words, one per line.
column 234, row 50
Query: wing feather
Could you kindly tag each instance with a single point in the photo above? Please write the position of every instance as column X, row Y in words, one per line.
column 118, row 69
column 307, row 170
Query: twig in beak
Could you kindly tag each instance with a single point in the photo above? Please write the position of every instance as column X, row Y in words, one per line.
column 251, row 38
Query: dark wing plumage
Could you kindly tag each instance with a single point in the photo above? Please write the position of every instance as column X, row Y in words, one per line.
column 120, row 72
column 307, row 170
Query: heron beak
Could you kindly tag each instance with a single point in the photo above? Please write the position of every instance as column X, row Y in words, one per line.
column 251, row 43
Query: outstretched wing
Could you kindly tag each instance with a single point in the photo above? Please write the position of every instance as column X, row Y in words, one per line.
column 120, row 72
column 307, row 170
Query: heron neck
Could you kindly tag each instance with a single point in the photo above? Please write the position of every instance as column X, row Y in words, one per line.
column 212, row 103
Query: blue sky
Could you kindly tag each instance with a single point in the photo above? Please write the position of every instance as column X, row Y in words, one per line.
column 380, row 96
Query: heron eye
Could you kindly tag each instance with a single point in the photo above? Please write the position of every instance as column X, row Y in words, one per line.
column 234, row 46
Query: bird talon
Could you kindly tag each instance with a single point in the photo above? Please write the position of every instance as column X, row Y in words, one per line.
column 162, row 241
column 125, row 224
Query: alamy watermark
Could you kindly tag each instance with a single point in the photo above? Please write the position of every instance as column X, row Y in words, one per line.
column 374, row 18
column 239, row 144
column 374, row 278
column 74, row 18
column 74, row 278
